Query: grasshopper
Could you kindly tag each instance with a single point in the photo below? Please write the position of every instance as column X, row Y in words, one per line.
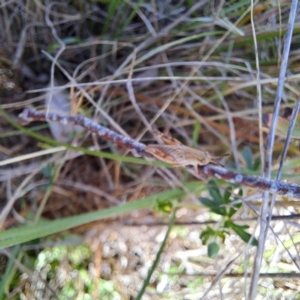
column 179, row 155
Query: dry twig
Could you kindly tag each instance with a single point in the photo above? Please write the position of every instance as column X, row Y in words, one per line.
column 274, row 186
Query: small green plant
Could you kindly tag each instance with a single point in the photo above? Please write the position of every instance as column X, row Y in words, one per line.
column 222, row 204
column 248, row 157
column 164, row 205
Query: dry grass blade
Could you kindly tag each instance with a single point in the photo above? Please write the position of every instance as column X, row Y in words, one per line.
column 265, row 209
column 202, row 72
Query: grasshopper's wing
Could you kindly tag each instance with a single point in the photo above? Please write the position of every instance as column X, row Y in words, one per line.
column 168, row 140
column 163, row 153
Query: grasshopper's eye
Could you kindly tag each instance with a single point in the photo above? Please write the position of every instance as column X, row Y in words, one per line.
column 190, row 166
column 202, row 160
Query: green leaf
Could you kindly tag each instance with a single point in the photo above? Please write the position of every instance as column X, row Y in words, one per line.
column 207, row 234
column 214, row 191
column 232, row 225
column 165, row 206
column 234, row 209
column 219, row 210
column 213, row 250
column 222, row 236
column 240, row 193
column 207, row 202
column 247, row 155
column 256, row 164
column 227, row 194
column 213, row 207
column 240, row 231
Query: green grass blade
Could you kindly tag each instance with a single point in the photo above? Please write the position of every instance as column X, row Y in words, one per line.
column 157, row 258
column 18, row 132
column 20, row 235
column 111, row 10
column 130, row 17
column 164, row 47
column 5, row 277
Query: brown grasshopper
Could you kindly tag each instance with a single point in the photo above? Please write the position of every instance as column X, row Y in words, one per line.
column 179, row 155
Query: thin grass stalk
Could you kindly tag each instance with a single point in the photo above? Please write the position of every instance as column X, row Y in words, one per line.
column 157, row 258
column 264, row 222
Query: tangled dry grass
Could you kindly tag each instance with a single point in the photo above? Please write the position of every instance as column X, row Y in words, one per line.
column 187, row 68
